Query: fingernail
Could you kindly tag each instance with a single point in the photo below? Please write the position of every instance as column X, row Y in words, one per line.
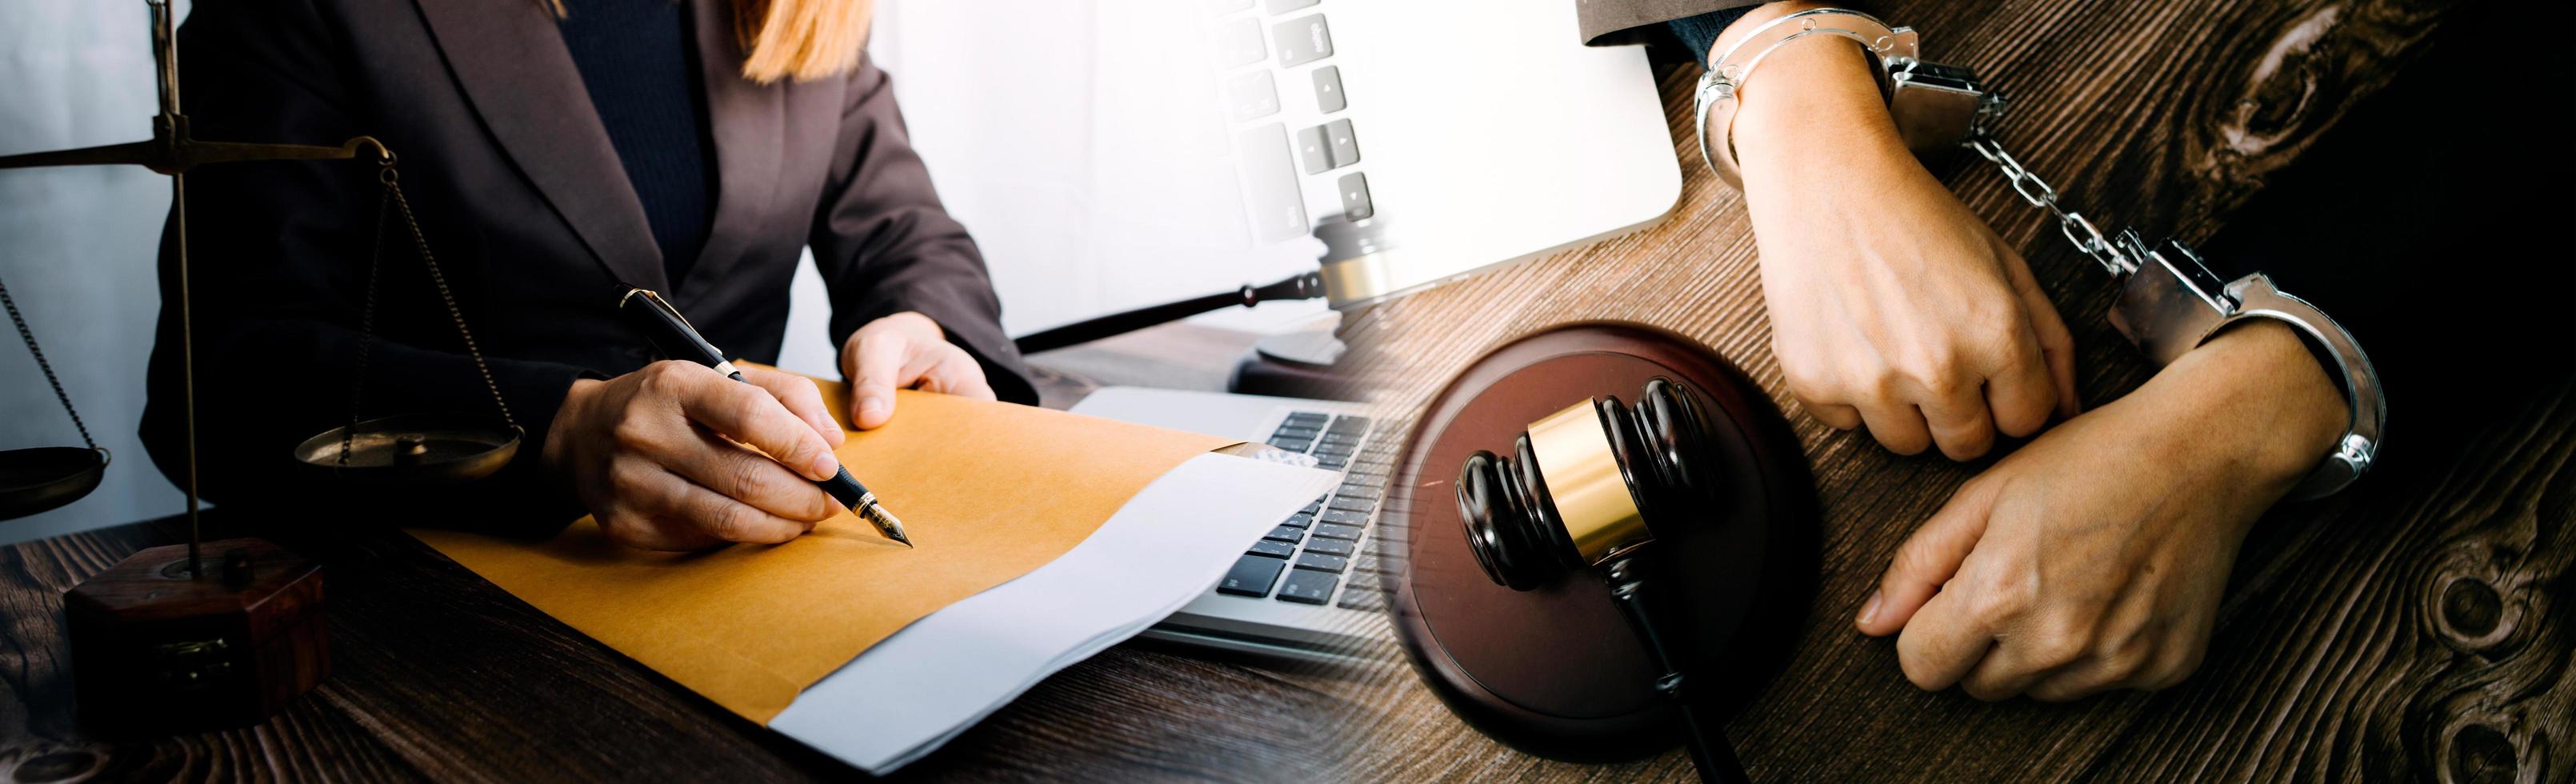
column 1869, row 610
column 872, row 406
column 825, row 466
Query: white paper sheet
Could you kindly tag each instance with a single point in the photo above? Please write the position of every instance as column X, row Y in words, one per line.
column 911, row 693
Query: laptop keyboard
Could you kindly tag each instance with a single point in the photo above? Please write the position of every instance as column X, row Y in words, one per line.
column 1324, row 554
column 1278, row 56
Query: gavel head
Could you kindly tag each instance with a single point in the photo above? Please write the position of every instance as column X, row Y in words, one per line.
column 1587, row 484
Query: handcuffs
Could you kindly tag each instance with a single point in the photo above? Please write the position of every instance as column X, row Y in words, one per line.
column 2169, row 301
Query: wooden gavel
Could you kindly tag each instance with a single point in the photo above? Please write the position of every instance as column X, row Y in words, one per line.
column 1588, row 487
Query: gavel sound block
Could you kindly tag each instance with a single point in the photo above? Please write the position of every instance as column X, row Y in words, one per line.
column 156, row 651
column 1556, row 670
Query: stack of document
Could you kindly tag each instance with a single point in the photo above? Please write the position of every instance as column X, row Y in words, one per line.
column 1043, row 537
column 929, row 682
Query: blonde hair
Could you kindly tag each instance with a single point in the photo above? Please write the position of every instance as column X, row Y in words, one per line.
column 799, row 39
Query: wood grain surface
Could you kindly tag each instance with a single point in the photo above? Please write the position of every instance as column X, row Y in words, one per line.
column 2414, row 628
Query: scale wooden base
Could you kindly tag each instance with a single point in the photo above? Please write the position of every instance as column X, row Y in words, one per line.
column 156, row 651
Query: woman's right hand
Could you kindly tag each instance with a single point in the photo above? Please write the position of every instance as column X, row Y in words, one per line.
column 678, row 457
column 1891, row 304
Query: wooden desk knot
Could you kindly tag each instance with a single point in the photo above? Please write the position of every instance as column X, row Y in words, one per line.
column 44, row 763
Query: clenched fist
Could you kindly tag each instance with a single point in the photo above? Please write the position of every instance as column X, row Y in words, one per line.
column 2094, row 557
column 1891, row 304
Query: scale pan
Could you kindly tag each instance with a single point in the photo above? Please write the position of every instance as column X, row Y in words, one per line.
column 415, row 450
column 35, row 480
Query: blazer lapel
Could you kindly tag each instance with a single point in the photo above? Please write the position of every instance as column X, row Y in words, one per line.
column 748, row 124
column 514, row 68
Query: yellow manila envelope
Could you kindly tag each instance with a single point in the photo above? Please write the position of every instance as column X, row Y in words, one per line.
column 988, row 491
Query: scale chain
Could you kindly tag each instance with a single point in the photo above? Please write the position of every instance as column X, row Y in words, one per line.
column 2078, row 230
column 29, row 336
column 394, row 198
column 393, row 184
column 366, row 327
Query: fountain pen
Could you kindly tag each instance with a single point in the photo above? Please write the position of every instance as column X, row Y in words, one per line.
column 671, row 333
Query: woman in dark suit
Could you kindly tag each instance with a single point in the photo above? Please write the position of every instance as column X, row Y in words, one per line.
column 557, row 153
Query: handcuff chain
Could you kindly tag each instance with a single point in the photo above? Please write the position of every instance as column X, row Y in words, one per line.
column 2078, row 230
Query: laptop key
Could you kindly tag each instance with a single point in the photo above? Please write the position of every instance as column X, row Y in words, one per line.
column 1308, row 418
column 1338, row 531
column 1239, row 43
column 1352, row 504
column 1350, row 490
column 1251, row 576
column 1293, row 432
column 1344, row 517
column 1307, row 587
column 1328, row 90
column 1313, row 151
column 1302, row 40
column 1321, row 562
column 1351, row 423
column 1270, row 183
column 1355, row 196
column 1286, row 534
column 1300, row 520
column 1345, row 145
column 1252, row 96
column 1280, row 550
column 1365, row 580
column 1370, row 600
column 1340, row 547
column 1291, row 444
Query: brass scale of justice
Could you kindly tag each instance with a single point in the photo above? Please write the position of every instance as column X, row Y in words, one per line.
column 414, row 450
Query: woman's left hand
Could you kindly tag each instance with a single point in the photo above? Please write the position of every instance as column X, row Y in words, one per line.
column 905, row 351
column 2094, row 557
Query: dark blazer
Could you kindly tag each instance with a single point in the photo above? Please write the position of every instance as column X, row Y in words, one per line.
column 1607, row 22
column 531, row 218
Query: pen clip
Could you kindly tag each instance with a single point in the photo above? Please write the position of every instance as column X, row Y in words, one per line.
column 655, row 301
column 671, row 332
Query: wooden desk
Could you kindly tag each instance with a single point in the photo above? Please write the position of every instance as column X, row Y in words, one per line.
column 2404, row 630
column 2415, row 628
column 438, row 675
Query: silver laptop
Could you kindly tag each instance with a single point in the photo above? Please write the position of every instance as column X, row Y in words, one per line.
column 1109, row 154
column 1311, row 587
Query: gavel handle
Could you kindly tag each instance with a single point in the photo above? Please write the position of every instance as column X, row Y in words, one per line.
column 1308, row 285
column 1701, row 735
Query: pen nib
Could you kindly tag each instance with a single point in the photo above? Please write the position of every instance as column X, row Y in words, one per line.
column 876, row 514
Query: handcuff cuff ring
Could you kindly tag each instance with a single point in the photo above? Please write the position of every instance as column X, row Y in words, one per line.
column 2169, row 301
